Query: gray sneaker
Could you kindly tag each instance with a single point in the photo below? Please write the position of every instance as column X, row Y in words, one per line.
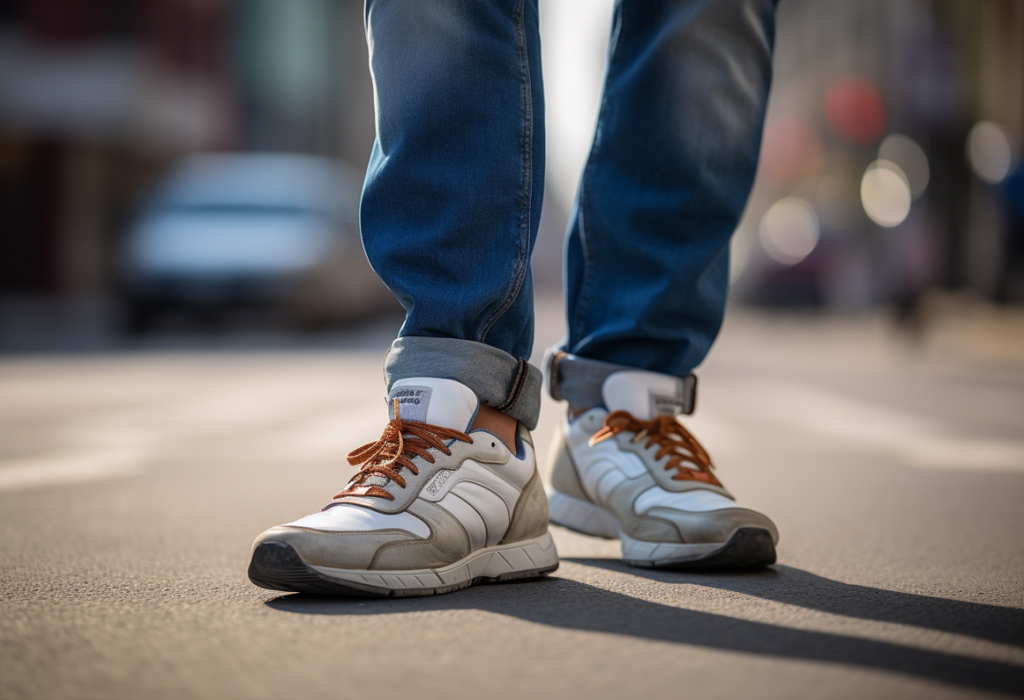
column 436, row 507
column 627, row 474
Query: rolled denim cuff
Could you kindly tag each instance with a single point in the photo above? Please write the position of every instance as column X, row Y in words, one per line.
column 580, row 381
column 499, row 380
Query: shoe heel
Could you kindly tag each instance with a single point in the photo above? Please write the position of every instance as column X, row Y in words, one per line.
column 581, row 516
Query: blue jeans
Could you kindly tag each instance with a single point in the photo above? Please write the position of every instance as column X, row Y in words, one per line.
column 453, row 192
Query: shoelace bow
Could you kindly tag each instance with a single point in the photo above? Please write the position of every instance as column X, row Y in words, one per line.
column 400, row 443
column 673, row 439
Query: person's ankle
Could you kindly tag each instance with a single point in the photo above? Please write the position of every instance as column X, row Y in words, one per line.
column 501, row 425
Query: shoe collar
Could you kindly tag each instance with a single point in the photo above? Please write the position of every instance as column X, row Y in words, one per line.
column 645, row 395
column 443, row 402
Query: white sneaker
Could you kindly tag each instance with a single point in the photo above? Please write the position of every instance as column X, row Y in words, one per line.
column 436, row 507
column 626, row 473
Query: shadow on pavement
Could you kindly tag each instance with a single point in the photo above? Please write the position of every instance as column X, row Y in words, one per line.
column 784, row 584
column 578, row 606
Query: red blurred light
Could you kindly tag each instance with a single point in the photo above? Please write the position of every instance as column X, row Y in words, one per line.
column 791, row 149
column 854, row 110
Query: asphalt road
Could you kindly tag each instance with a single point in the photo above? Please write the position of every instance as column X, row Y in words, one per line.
column 133, row 482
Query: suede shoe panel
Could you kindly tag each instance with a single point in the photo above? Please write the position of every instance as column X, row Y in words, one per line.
column 339, row 550
column 641, row 527
column 564, row 477
column 530, row 518
column 713, row 526
column 448, row 542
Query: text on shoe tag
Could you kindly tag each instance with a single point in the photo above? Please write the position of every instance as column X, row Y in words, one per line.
column 665, row 405
column 437, row 482
column 413, row 402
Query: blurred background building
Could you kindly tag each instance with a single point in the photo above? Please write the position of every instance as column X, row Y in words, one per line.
column 99, row 99
column 890, row 164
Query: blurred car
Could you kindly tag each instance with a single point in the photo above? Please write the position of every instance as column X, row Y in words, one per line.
column 266, row 229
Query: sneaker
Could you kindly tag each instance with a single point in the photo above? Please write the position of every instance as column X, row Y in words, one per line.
column 437, row 506
column 628, row 474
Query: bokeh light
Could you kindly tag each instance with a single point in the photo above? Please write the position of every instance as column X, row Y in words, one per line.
column 911, row 159
column 854, row 110
column 989, row 152
column 789, row 230
column 837, row 200
column 885, row 193
column 791, row 149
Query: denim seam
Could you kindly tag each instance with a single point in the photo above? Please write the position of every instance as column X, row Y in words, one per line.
column 582, row 306
column 523, row 258
column 553, row 388
column 517, row 386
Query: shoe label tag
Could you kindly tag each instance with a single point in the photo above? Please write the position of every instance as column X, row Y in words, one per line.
column 412, row 402
column 664, row 405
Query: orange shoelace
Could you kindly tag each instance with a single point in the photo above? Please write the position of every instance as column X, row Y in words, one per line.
column 672, row 438
column 401, row 442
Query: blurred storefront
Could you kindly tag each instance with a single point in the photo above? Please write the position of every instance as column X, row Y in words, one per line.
column 891, row 141
column 97, row 99
column 891, row 161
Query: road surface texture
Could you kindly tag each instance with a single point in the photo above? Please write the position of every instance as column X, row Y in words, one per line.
column 132, row 483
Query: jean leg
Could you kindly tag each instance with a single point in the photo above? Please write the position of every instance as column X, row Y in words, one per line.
column 671, row 167
column 453, row 190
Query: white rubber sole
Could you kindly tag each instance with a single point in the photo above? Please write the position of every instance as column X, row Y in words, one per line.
column 284, row 570
column 746, row 547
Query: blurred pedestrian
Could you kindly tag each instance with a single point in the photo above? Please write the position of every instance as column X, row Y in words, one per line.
column 1011, row 284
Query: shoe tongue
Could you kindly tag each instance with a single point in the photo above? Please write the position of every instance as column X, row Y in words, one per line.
column 443, row 402
column 645, row 395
